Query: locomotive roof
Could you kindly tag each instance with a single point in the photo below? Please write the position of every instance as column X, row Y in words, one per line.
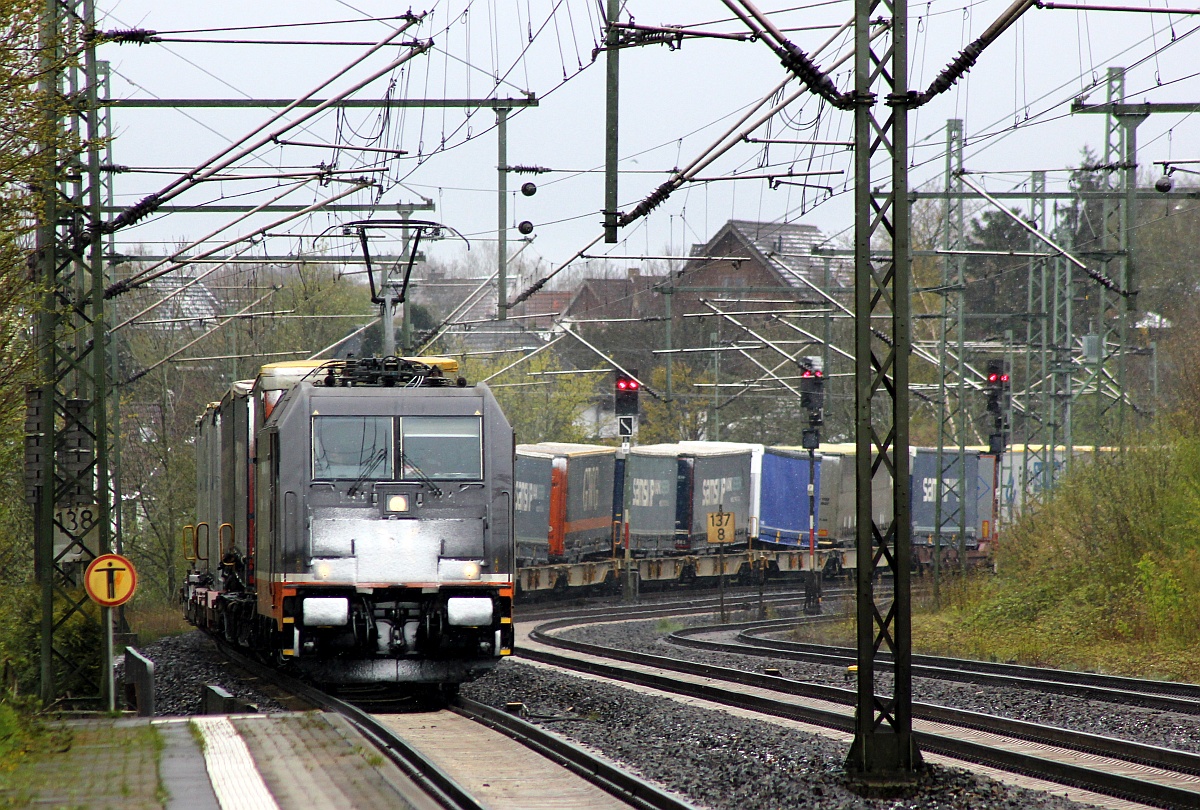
column 281, row 376
column 551, row 449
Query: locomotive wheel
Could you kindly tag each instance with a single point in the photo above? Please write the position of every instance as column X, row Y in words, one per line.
column 431, row 629
column 229, row 626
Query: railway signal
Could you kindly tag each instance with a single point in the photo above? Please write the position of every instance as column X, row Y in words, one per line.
column 997, row 386
column 812, row 399
column 999, row 395
column 626, row 394
column 812, row 389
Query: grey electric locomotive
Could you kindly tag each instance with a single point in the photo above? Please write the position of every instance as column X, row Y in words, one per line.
column 355, row 521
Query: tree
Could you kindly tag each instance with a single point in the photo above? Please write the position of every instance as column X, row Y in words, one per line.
column 543, row 401
column 21, row 129
column 996, row 284
column 682, row 418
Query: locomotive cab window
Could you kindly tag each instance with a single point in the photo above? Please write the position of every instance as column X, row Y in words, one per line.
column 441, row 447
column 352, row 447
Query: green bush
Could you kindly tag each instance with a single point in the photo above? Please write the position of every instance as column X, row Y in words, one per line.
column 1098, row 575
column 20, row 626
column 77, row 637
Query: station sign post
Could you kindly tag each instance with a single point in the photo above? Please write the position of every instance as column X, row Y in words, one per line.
column 720, row 532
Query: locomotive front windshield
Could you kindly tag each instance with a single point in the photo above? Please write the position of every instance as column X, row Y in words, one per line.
column 352, row 447
column 428, row 448
column 441, row 447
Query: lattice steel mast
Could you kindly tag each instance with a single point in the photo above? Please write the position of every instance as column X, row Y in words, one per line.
column 883, row 740
column 953, row 411
column 1037, row 462
column 68, row 415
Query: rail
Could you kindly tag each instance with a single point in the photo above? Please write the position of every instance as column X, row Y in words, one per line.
column 1096, row 779
column 1161, row 695
column 635, row 792
column 630, row 789
column 417, row 767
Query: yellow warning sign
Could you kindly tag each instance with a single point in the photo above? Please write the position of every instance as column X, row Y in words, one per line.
column 110, row 580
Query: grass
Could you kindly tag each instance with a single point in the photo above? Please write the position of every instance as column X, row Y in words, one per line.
column 1100, row 576
column 154, row 620
column 24, row 734
column 978, row 620
column 668, row 626
column 198, row 736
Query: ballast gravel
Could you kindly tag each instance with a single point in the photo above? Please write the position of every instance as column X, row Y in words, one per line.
column 724, row 762
column 716, row 760
column 1150, row 726
column 183, row 666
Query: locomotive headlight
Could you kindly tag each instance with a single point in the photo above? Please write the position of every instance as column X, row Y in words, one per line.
column 459, row 570
column 324, row 570
column 397, row 503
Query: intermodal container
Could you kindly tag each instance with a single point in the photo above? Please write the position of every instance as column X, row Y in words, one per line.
column 671, row 489
column 784, row 499
column 563, row 503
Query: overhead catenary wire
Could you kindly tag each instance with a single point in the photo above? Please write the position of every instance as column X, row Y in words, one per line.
column 342, row 340
column 146, row 274
column 253, row 140
column 184, row 262
column 225, row 320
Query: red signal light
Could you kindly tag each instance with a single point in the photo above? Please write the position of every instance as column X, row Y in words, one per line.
column 622, row 385
column 1003, row 378
column 633, row 385
column 993, row 377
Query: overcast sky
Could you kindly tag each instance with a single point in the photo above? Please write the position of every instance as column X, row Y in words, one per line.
column 1015, row 104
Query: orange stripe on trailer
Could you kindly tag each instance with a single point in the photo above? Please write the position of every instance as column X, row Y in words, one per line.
column 587, row 524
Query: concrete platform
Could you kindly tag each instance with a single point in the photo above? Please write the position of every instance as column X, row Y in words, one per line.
column 294, row 761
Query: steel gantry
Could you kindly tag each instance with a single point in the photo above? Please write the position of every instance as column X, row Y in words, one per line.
column 1118, row 311
column 66, row 447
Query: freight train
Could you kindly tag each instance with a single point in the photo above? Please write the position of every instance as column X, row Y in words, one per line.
column 588, row 514
column 354, row 521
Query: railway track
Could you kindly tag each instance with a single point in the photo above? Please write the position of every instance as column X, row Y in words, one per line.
column 752, row 639
column 677, row 604
column 1134, row 771
column 469, row 756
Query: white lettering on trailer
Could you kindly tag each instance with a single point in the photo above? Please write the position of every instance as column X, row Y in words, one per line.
column 929, row 489
column 591, row 489
column 714, row 490
column 645, row 489
column 527, row 494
